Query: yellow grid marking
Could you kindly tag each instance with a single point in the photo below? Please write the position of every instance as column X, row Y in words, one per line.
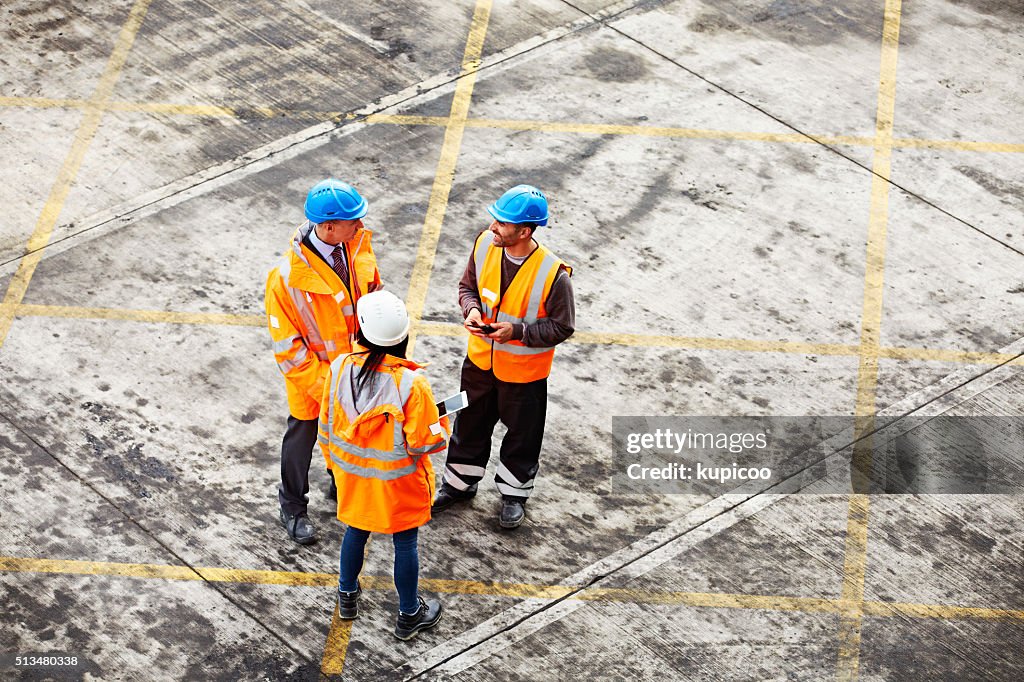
column 444, row 177
column 429, row 328
column 243, row 112
column 512, row 590
column 336, row 647
column 855, row 562
column 87, row 129
column 151, row 316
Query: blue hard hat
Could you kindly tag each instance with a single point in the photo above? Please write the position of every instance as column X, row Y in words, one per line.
column 521, row 204
column 334, row 200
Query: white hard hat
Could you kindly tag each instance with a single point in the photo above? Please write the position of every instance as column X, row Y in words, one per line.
column 383, row 318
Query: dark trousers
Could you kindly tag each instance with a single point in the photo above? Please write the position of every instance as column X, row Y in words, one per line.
column 520, row 407
column 296, row 454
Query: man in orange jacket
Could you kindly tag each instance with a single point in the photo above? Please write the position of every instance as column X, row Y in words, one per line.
column 311, row 300
column 518, row 304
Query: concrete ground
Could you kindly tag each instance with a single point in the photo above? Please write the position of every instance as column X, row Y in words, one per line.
column 773, row 207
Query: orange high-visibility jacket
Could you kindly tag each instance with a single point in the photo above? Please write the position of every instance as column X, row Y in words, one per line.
column 378, row 446
column 523, row 302
column 311, row 315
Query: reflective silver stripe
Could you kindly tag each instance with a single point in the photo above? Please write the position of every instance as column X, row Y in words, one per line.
column 506, row 475
column 428, row 449
column 512, row 492
column 405, row 385
column 284, row 344
column 313, row 338
column 520, row 350
column 288, row 365
column 346, row 310
column 453, row 480
column 395, row 455
column 370, row 472
column 533, row 307
column 480, row 255
column 466, row 469
column 323, row 440
column 505, row 317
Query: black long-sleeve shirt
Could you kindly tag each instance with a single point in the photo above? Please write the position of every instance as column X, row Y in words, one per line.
column 560, row 305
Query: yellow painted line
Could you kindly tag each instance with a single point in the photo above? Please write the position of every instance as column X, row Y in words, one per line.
column 336, row 648
column 223, row 111
column 940, row 611
column 949, row 355
column 403, row 120
column 90, row 123
column 445, row 175
column 150, row 316
column 855, row 562
column 429, row 328
column 511, row 590
column 959, row 145
column 43, row 103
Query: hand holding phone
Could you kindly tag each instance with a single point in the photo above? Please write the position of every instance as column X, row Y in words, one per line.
column 483, row 328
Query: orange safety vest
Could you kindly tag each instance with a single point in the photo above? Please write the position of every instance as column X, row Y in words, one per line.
column 311, row 315
column 522, row 302
column 378, row 447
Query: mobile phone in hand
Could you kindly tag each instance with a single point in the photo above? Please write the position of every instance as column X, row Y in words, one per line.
column 485, row 328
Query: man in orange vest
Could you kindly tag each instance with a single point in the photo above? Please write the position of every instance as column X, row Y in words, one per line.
column 517, row 302
column 311, row 300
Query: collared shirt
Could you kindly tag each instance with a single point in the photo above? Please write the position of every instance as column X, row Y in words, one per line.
column 323, row 248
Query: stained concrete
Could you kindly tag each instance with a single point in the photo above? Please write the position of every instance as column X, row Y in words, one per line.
column 155, row 443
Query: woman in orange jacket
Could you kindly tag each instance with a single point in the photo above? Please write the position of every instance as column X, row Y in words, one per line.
column 378, row 427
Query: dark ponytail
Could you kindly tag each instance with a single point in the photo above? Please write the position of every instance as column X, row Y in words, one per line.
column 375, row 358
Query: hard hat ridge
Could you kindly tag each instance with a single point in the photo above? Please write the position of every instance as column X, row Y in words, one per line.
column 334, row 200
column 521, row 204
column 383, row 319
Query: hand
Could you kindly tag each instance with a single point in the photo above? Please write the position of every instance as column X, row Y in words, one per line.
column 473, row 323
column 502, row 332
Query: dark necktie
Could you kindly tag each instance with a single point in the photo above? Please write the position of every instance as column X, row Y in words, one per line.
column 340, row 265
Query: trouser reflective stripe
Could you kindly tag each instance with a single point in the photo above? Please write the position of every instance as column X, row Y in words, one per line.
column 461, row 476
column 512, row 491
column 508, row 484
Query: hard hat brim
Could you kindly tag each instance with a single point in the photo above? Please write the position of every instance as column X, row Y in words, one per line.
column 505, row 218
column 386, row 342
column 354, row 215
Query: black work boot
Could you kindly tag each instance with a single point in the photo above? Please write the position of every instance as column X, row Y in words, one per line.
column 348, row 603
column 332, row 489
column 513, row 511
column 299, row 527
column 426, row 617
column 448, row 495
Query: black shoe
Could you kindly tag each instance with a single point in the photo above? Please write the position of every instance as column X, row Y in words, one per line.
column 426, row 617
column 348, row 603
column 299, row 528
column 513, row 511
column 447, row 496
column 332, row 489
